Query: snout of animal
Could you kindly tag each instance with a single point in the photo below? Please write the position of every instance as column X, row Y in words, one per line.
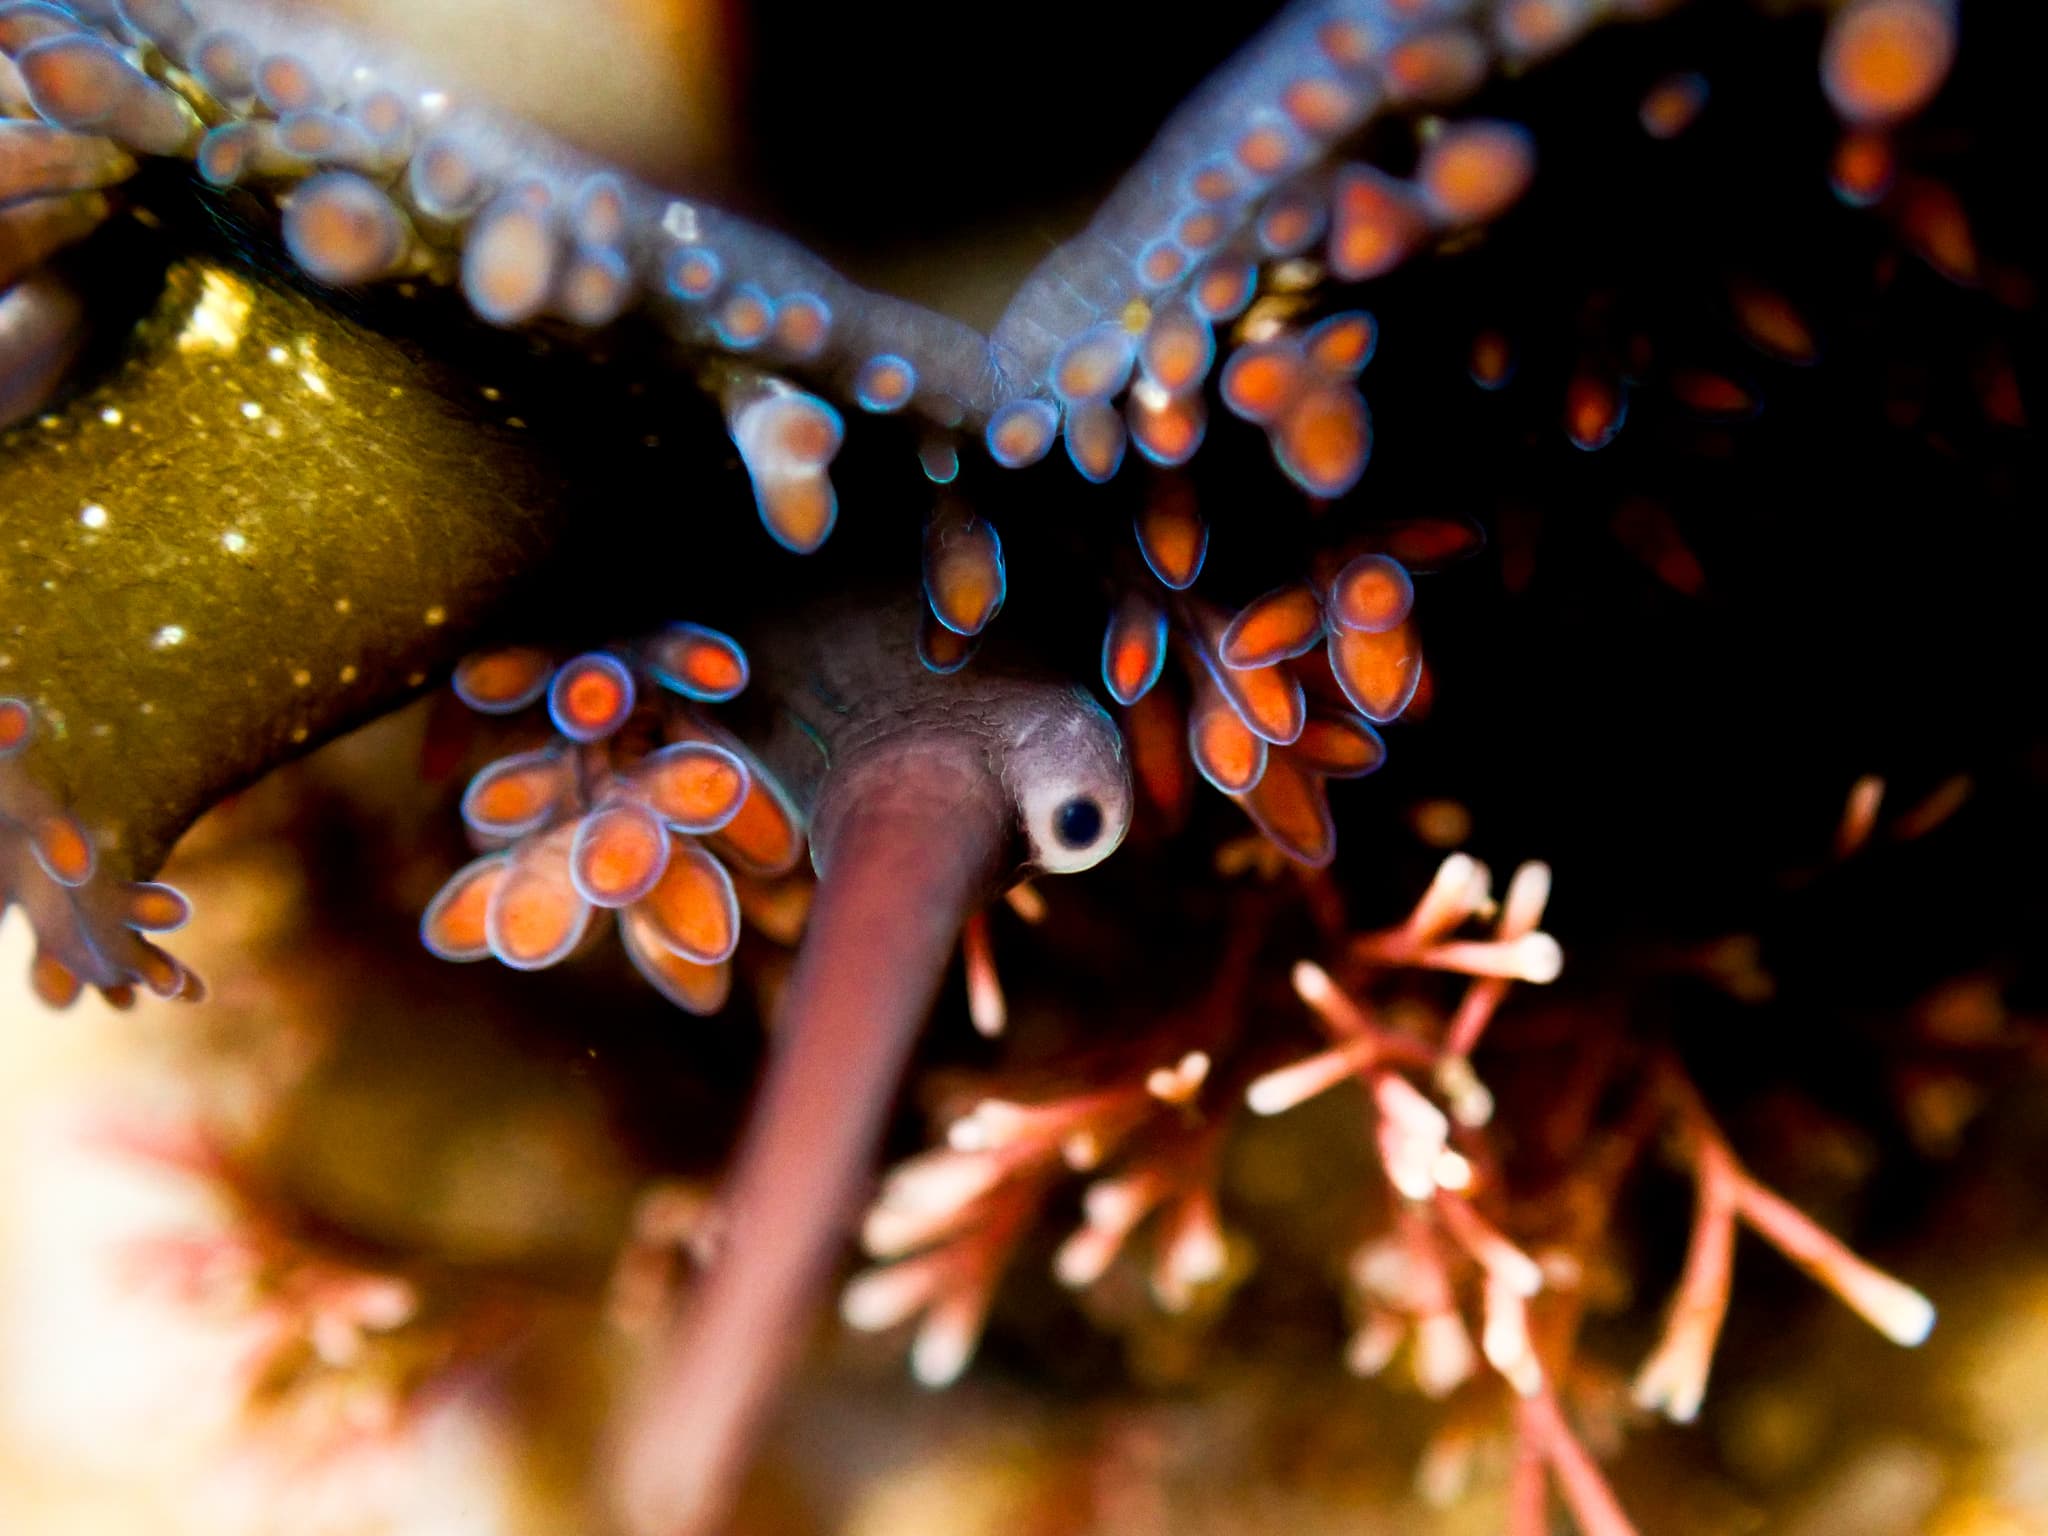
column 917, row 817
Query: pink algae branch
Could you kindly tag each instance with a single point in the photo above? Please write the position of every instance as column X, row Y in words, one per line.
column 1544, row 1440
column 1674, row 1379
column 333, row 1344
column 1443, row 1279
column 1411, row 1277
column 1438, row 1162
column 947, row 1222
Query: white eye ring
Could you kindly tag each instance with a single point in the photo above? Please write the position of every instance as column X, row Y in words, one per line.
column 1070, row 830
column 1073, row 788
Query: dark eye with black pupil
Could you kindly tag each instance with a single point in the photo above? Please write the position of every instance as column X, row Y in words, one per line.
column 1078, row 823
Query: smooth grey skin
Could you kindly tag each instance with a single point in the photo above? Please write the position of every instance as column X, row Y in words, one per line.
column 846, row 692
column 917, row 787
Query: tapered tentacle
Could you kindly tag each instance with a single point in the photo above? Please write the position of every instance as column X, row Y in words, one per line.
column 374, row 173
column 377, row 174
column 1242, row 178
column 1233, row 174
column 920, row 788
column 380, row 173
column 906, row 852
